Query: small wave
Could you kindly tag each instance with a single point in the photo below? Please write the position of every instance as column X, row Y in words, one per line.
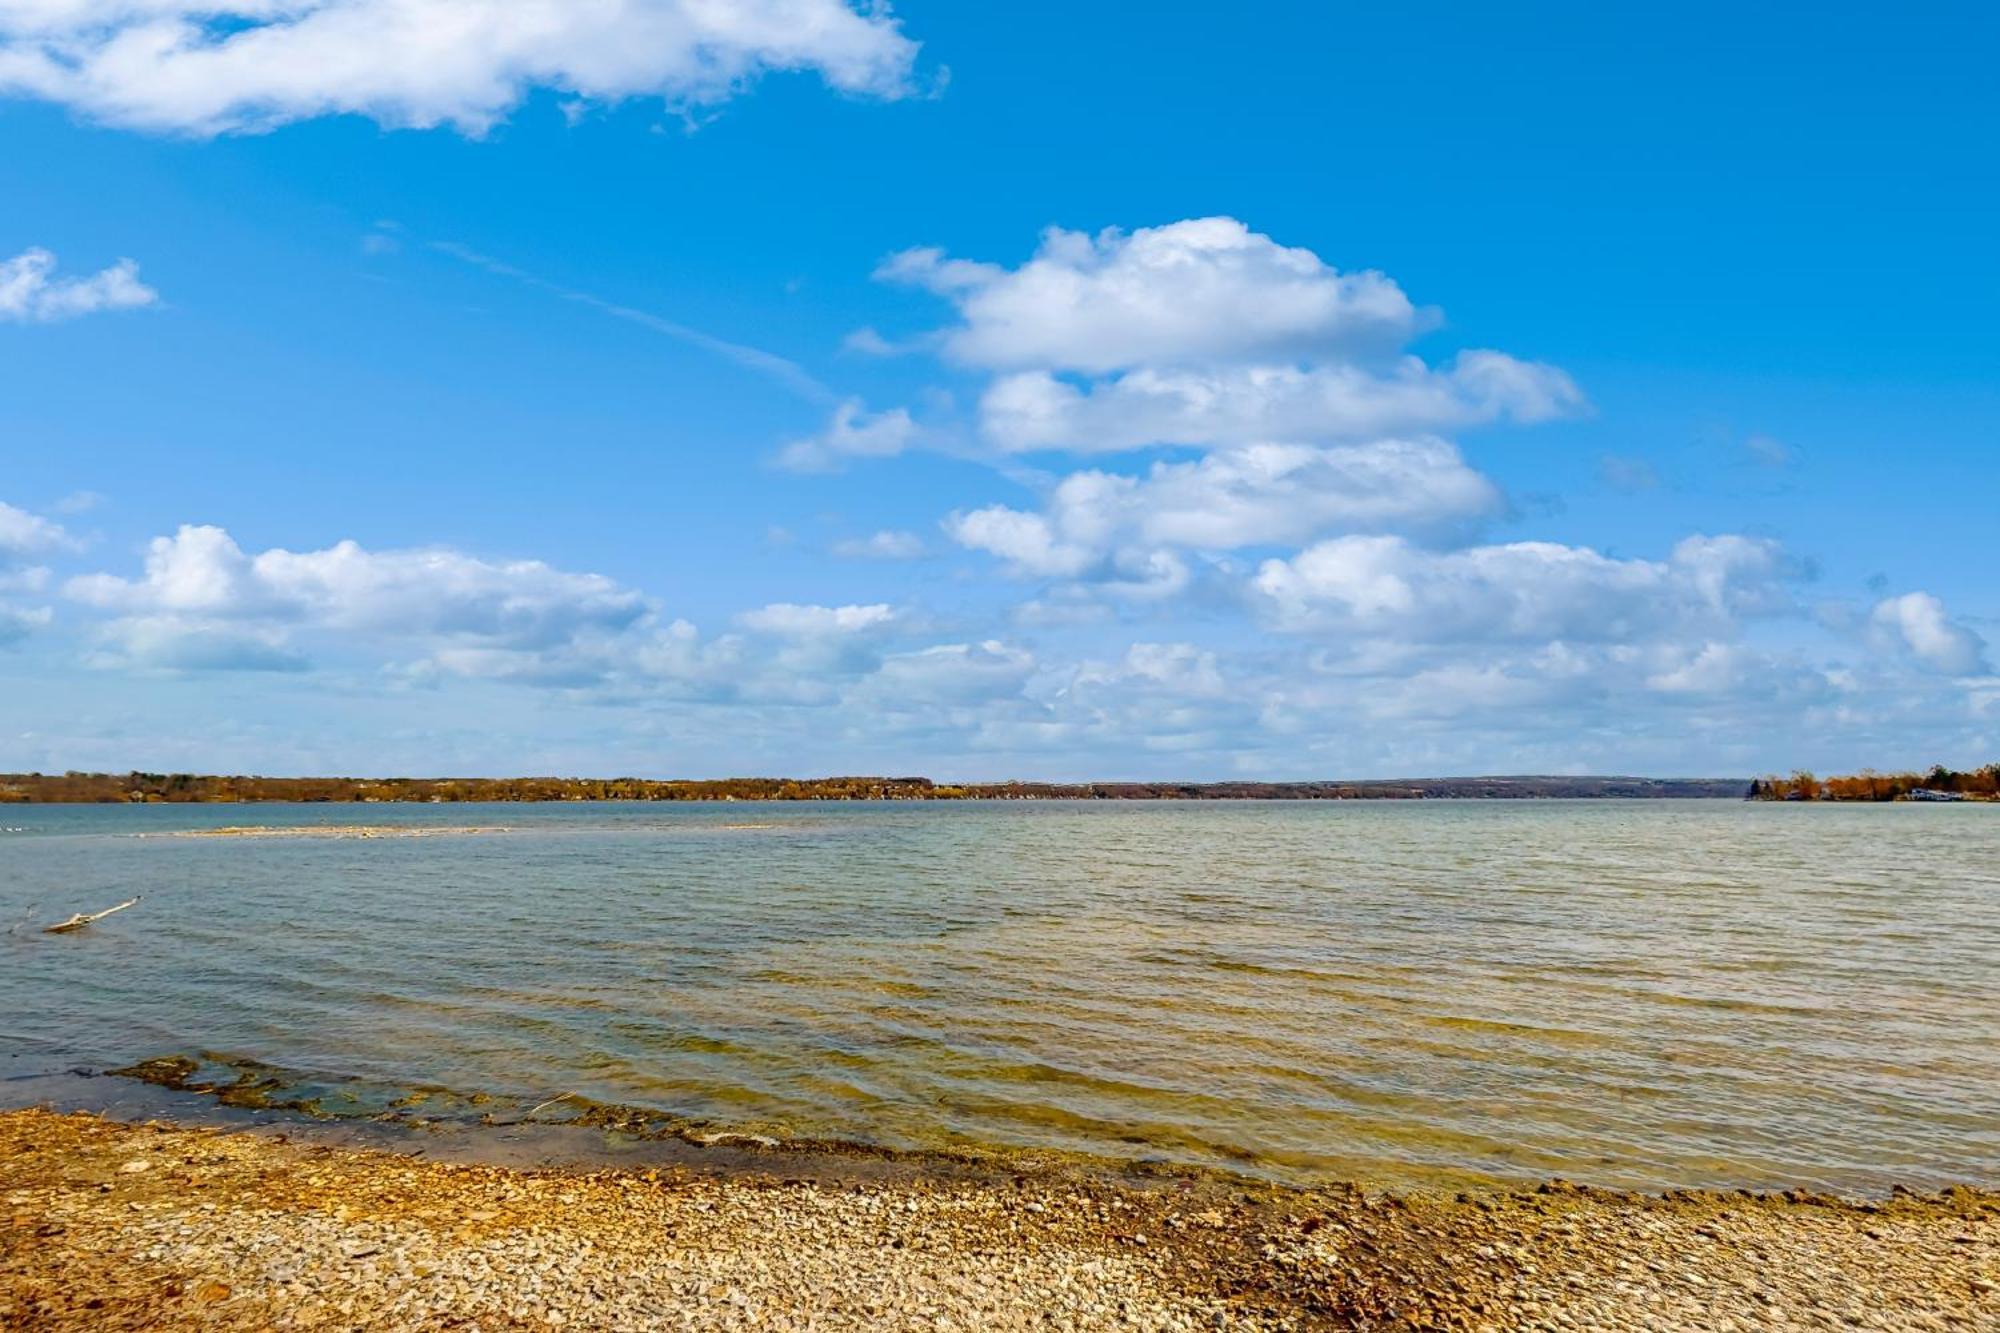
column 1501, row 1027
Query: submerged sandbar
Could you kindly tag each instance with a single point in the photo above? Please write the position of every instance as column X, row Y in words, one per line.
column 342, row 831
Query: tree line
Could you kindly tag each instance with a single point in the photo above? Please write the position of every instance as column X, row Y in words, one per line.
column 151, row 788
column 1981, row 784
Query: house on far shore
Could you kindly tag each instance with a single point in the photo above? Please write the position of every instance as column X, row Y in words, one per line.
column 1926, row 794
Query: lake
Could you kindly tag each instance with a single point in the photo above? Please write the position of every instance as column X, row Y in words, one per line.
column 1644, row 994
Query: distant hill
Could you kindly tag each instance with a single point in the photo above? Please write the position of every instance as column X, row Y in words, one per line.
column 147, row 788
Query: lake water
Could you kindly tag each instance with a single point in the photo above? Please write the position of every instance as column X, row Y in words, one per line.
column 1643, row 994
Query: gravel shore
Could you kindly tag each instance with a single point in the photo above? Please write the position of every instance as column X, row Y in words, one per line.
column 110, row 1226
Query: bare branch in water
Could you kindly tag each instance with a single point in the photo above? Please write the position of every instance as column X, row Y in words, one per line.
column 80, row 920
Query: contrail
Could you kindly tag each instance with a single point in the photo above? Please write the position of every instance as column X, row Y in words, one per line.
column 788, row 373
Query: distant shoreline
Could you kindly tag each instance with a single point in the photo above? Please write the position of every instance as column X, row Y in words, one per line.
column 187, row 788
column 1940, row 784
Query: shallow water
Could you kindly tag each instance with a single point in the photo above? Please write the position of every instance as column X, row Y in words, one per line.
column 1647, row 994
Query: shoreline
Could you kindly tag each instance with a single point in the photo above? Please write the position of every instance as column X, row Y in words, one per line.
column 153, row 1225
column 576, row 1132
column 218, row 789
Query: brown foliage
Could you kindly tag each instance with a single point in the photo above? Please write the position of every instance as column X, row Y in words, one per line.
column 1867, row 785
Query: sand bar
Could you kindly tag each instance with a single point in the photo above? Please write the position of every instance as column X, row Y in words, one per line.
column 342, row 831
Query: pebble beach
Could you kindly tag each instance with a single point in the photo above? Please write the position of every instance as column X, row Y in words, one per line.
column 107, row 1225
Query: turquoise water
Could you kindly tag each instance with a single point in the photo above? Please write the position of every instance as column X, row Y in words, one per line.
column 1645, row 994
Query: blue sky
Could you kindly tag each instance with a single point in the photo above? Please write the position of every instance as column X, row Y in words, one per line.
column 986, row 391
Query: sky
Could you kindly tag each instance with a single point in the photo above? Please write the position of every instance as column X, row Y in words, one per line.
column 692, row 388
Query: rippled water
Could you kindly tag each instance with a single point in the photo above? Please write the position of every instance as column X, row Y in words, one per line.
column 1644, row 994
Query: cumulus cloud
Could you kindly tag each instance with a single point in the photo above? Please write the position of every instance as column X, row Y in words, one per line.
column 1521, row 592
column 1711, row 669
column 1917, row 624
column 949, row 674
column 1224, row 405
column 202, row 571
column 206, row 67
column 852, row 432
column 1180, row 668
column 793, row 619
column 1203, row 290
column 31, row 294
column 1171, row 699
column 1262, row 495
column 1205, row 333
column 1663, row 706
column 24, row 534
column 431, row 615
column 1390, row 655
column 808, row 653
column 183, row 643
column 203, row 600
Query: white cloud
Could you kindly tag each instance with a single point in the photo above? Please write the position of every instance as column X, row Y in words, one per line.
column 201, row 570
column 181, row 643
column 1263, row 495
column 811, row 651
column 949, row 674
column 1200, row 291
column 1181, row 668
column 1713, row 669
column 212, row 66
column 1524, row 656
column 1521, row 592
column 200, row 588
column 887, row 544
column 792, row 619
column 30, row 294
column 1670, row 708
column 25, row 534
column 1174, row 699
column 852, row 432
column 866, row 341
column 1028, row 542
column 1739, row 575
column 430, row 615
column 1207, row 334
column 1228, row 405
column 1916, row 623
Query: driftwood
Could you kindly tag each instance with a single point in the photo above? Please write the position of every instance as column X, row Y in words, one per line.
column 81, row 919
column 547, row 1104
